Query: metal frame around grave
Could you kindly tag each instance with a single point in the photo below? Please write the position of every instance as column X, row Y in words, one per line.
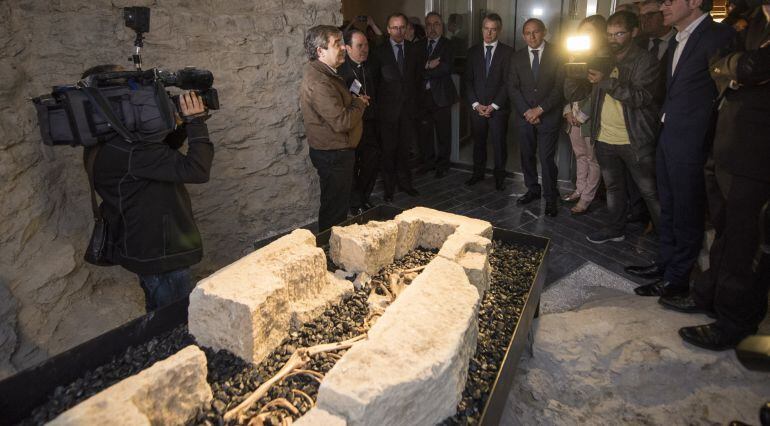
column 21, row 393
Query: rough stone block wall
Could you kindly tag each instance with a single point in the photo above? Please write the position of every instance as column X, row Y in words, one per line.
column 262, row 181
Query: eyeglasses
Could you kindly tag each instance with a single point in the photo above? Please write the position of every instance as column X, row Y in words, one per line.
column 665, row 2
column 617, row 35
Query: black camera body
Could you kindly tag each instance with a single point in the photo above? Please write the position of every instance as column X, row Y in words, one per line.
column 578, row 68
column 132, row 104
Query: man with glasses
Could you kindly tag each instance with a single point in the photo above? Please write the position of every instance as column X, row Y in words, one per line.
column 397, row 62
column 688, row 119
column 623, row 102
column 437, row 94
column 654, row 35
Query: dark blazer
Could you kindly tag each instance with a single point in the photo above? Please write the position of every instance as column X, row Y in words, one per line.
column 690, row 101
column 441, row 85
column 547, row 92
column 350, row 71
column 488, row 89
column 742, row 144
column 396, row 92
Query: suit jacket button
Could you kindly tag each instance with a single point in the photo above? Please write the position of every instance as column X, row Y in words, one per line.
column 535, row 90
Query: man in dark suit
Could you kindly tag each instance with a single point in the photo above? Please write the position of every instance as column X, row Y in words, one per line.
column 437, row 94
column 398, row 63
column 734, row 289
column 358, row 75
column 688, row 121
column 485, row 79
column 535, row 87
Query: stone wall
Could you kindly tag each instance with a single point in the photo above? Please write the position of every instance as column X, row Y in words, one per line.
column 262, row 181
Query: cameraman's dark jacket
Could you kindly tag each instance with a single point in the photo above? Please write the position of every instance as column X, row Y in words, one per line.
column 147, row 208
column 638, row 88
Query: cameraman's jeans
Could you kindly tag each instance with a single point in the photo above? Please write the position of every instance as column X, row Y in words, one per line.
column 614, row 160
column 163, row 289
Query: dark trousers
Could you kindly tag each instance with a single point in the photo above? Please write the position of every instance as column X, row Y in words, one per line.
column 335, row 171
column 636, row 203
column 617, row 162
column 163, row 289
column 367, row 165
column 395, row 138
column 434, row 118
column 496, row 129
column 682, row 204
column 537, row 143
column 733, row 287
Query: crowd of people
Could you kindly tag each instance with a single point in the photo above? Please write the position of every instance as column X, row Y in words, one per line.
column 668, row 110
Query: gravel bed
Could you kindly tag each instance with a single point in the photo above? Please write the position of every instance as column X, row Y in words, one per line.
column 513, row 270
column 232, row 379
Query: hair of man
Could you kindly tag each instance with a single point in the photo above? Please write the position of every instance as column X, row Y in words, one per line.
column 318, row 37
column 397, row 15
column 624, row 18
column 596, row 21
column 535, row 21
column 494, row 17
column 348, row 36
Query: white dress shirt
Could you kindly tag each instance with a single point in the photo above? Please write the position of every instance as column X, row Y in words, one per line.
column 539, row 53
column 484, row 54
column 682, row 37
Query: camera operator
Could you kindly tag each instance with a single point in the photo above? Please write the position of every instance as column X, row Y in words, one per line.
column 625, row 122
column 145, row 204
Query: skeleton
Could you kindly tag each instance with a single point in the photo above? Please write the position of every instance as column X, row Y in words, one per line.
column 397, row 282
column 295, row 365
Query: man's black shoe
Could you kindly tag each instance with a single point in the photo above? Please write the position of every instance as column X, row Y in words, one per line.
column 440, row 173
column 367, row 205
column 551, row 208
column 410, row 191
column 653, row 271
column 500, row 184
column 528, row 198
column 711, row 337
column 661, row 288
column 474, row 180
column 388, row 198
column 684, row 303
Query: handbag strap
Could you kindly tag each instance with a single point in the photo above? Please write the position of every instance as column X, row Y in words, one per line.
column 90, row 157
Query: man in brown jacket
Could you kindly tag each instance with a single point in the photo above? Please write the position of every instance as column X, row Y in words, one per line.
column 333, row 122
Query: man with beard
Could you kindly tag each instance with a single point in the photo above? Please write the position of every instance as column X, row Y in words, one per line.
column 688, row 120
column 358, row 75
column 333, row 122
column 626, row 122
column 397, row 80
column 437, row 94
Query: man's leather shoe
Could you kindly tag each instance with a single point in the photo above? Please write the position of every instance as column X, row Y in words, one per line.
column 684, row 303
column 474, row 180
column 410, row 191
column 388, row 198
column 528, row 198
column 653, row 271
column 367, row 205
column 440, row 173
column 711, row 337
column 551, row 208
column 500, row 184
column 661, row 288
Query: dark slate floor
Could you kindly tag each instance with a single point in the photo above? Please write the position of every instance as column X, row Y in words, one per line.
column 569, row 248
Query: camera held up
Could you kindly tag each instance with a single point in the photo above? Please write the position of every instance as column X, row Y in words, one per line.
column 133, row 104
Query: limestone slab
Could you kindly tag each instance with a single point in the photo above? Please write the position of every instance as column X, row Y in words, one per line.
column 319, row 417
column 429, row 228
column 364, row 248
column 248, row 307
column 413, row 366
column 472, row 253
column 169, row 392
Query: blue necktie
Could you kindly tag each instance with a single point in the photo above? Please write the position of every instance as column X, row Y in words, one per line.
column 400, row 58
column 488, row 59
column 431, row 44
column 535, row 62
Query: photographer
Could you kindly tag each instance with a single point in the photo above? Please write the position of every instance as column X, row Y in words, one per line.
column 145, row 204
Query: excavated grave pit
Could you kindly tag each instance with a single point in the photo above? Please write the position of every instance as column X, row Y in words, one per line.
column 514, row 268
